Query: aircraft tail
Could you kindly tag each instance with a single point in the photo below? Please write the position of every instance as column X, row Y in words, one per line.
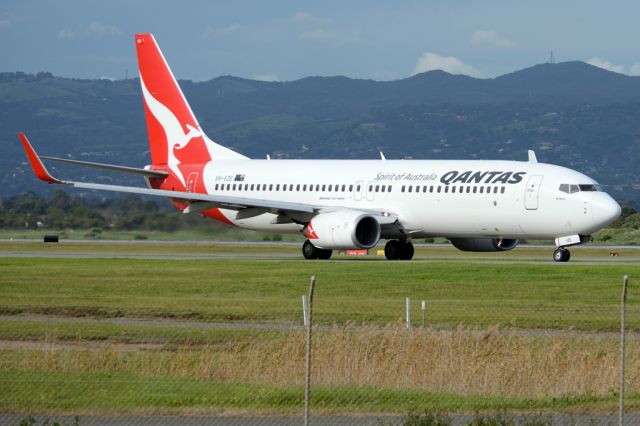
column 175, row 137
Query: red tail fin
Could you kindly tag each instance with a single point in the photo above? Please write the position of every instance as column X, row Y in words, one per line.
column 175, row 137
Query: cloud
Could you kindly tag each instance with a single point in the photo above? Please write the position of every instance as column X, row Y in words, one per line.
column 4, row 23
column 490, row 38
column 304, row 18
column 430, row 61
column 635, row 69
column 65, row 33
column 603, row 63
column 315, row 29
column 96, row 28
column 266, row 77
column 211, row 32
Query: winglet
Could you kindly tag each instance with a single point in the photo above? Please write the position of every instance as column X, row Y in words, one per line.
column 38, row 168
column 532, row 156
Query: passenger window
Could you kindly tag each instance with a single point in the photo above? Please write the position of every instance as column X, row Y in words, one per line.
column 502, row 190
column 431, row 188
column 495, row 189
column 439, row 188
column 402, row 189
column 284, row 187
column 482, row 189
column 446, row 189
column 246, row 186
column 317, row 187
column 350, row 188
column 377, row 188
column 370, row 188
column 453, row 189
column 344, row 187
column 410, row 188
column 216, row 188
column 388, row 188
column 468, row 189
column 382, row 188
column 270, row 187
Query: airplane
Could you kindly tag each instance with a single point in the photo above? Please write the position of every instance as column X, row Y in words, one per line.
column 482, row 206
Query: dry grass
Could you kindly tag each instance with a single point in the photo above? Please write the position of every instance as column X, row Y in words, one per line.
column 461, row 361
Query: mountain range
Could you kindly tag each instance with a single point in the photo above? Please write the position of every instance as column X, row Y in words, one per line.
column 570, row 113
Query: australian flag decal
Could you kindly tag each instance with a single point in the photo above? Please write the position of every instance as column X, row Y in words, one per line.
column 239, row 178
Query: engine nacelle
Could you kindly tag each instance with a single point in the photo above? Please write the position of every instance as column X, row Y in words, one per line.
column 344, row 229
column 483, row 244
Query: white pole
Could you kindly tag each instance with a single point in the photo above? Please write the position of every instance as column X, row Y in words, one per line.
column 424, row 310
column 408, row 313
column 305, row 311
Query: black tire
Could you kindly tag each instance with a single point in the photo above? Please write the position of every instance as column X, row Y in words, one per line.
column 406, row 250
column 309, row 251
column 324, row 254
column 561, row 255
column 392, row 250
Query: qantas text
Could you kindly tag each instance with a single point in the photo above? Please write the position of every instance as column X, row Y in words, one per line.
column 455, row 176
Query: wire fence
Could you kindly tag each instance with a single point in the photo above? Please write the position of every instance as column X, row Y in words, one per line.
column 61, row 364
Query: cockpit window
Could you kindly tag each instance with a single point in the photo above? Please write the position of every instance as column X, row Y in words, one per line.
column 570, row 189
column 592, row 188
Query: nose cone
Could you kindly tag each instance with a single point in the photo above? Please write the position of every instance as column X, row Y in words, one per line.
column 605, row 210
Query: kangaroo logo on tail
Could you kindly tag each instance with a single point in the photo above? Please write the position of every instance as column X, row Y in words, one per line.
column 177, row 139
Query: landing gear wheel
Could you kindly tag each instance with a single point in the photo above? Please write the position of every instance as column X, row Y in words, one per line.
column 561, row 255
column 406, row 250
column 324, row 254
column 309, row 251
column 392, row 250
column 398, row 250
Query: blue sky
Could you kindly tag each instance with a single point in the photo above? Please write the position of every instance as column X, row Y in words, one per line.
column 288, row 40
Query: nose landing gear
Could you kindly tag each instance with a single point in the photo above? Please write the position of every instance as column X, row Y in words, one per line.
column 561, row 254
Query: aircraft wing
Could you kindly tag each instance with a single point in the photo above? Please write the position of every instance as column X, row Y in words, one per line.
column 197, row 201
column 208, row 201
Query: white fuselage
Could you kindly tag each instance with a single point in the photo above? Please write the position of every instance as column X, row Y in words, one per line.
column 497, row 199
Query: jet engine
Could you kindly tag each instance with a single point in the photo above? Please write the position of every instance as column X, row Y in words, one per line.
column 344, row 229
column 483, row 244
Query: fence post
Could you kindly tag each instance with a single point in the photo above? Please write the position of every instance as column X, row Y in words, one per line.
column 307, row 389
column 622, row 336
column 424, row 310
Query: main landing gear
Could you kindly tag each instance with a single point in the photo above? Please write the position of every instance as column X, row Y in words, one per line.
column 398, row 250
column 309, row 251
column 561, row 254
